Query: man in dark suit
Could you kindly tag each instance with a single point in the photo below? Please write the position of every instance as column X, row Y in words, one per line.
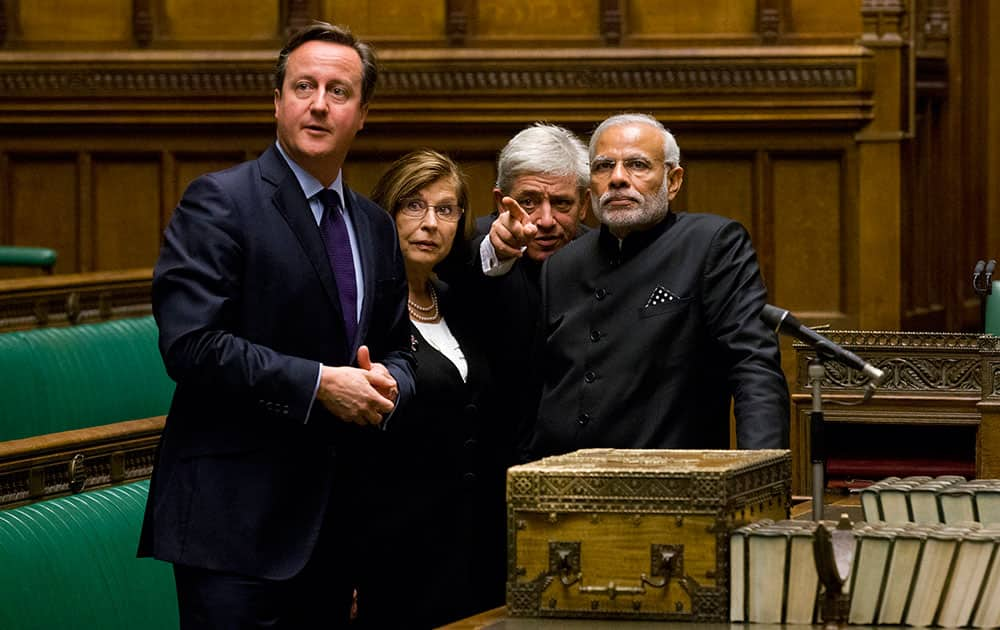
column 650, row 326
column 540, row 202
column 280, row 296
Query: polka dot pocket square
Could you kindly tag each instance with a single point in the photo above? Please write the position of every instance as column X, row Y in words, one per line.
column 660, row 296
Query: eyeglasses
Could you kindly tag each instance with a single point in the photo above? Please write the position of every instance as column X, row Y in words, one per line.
column 636, row 167
column 417, row 208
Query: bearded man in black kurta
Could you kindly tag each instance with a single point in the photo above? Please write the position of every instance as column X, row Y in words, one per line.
column 650, row 325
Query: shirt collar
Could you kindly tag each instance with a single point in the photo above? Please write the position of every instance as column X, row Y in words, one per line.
column 309, row 184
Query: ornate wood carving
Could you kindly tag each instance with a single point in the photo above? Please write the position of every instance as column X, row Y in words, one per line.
column 49, row 465
column 828, row 84
column 67, row 299
column 296, row 13
column 883, row 20
column 611, row 22
column 913, row 362
column 3, row 22
column 671, row 77
column 933, row 27
column 662, row 75
column 457, row 22
column 770, row 20
column 137, row 82
column 936, row 381
column 142, row 22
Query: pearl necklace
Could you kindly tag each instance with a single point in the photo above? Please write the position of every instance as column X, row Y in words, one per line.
column 426, row 314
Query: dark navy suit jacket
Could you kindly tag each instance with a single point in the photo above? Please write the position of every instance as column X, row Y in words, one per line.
column 247, row 308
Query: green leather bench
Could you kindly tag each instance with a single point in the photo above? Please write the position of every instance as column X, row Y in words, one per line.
column 18, row 256
column 60, row 379
column 70, row 562
column 80, row 407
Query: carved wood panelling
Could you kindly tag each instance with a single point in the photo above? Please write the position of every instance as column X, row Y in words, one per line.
column 126, row 230
column 825, row 86
column 811, row 235
column 884, row 20
column 42, row 193
column 67, row 299
column 457, row 21
column 142, row 22
column 913, row 362
column 770, row 20
column 217, row 24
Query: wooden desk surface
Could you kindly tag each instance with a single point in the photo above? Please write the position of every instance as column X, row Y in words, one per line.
column 497, row 619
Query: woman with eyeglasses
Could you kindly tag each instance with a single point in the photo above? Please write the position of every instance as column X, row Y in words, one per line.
column 439, row 528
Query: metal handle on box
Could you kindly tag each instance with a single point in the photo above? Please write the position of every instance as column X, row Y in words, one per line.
column 612, row 590
column 668, row 556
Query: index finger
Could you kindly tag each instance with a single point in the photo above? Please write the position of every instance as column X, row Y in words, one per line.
column 515, row 210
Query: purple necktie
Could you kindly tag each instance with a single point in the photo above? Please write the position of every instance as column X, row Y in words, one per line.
column 338, row 249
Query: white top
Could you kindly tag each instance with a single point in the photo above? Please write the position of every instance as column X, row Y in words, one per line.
column 440, row 337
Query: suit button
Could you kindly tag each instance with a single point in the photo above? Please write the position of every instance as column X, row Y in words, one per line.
column 583, row 419
column 469, row 479
column 471, row 411
column 590, row 377
column 595, row 335
column 470, row 445
column 600, row 294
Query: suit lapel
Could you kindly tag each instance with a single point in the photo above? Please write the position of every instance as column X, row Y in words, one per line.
column 293, row 206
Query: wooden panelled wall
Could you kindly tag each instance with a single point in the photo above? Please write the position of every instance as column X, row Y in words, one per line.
column 853, row 138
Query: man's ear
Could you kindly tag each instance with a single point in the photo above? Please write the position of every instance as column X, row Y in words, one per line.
column 585, row 202
column 674, row 181
column 497, row 197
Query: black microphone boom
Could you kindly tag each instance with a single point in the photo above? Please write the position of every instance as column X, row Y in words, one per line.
column 784, row 322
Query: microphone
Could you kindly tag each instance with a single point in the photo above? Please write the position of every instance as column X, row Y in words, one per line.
column 976, row 272
column 784, row 322
column 988, row 276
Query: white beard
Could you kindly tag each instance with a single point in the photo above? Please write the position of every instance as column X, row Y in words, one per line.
column 647, row 211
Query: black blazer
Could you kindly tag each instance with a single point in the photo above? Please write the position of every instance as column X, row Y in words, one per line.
column 442, row 497
column 644, row 344
column 247, row 308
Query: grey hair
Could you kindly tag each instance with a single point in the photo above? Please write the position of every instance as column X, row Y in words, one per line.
column 671, row 151
column 543, row 148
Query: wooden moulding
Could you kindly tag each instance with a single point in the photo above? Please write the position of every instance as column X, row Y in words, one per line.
column 77, row 298
column 55, row 464
column 814, row 85
column 948, row 384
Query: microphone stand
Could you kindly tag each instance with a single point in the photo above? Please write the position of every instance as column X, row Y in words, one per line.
column 817, row 443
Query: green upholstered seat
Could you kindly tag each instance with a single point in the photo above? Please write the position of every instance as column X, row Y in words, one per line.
column 17, row 256
column 70, row 563
column 59, row 379
column 993, row 311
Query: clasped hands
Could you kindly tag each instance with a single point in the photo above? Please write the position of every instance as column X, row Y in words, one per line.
column 362, row 395
column 511, row 230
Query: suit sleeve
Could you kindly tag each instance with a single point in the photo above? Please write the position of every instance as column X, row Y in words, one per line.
column 734, row 296
column 196, row 302
column 398, row 356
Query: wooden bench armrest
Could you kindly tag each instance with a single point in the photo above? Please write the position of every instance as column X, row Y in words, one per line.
column 54, row 464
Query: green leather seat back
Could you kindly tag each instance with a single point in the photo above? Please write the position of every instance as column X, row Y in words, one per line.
column 16, row 256
column 70, row 563
column 993, row 310
column 58, row 379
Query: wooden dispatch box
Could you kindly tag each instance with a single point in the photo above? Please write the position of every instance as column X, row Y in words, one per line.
column 638, row 534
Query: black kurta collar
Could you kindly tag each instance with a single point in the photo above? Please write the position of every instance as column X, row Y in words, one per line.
column 616, row 251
